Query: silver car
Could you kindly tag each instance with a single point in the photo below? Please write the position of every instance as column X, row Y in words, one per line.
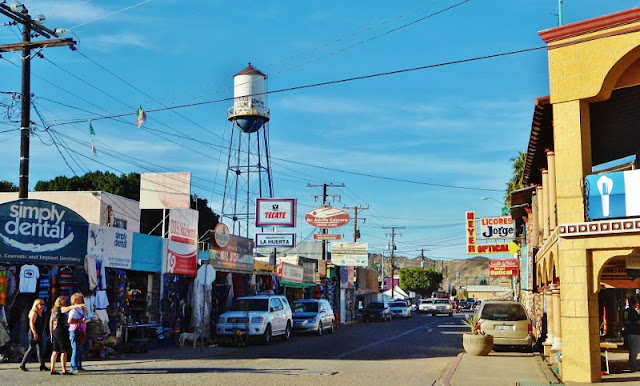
column 313, row 315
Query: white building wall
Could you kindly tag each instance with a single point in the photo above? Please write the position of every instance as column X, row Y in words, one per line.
column 92, row 206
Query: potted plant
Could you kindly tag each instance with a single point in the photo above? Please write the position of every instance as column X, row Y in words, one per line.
column 476, row 343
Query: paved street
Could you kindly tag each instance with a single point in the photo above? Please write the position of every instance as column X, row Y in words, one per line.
column 416, row 351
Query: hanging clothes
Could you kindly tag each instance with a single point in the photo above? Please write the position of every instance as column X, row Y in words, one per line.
column 12, row 286
column 3, row 286
column 66, row 281
column 29, row 275
column 44, row 286
column 92, row 272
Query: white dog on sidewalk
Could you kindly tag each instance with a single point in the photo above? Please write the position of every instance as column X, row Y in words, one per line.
column 192, row 336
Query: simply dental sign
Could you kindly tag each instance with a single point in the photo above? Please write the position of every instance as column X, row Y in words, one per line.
column 41, row 232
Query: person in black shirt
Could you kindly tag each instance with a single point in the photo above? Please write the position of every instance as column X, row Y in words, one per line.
column 633, row 338
column 36, row 329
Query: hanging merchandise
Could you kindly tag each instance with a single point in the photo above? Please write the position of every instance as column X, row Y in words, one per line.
column 3, row 286
column 201, row 301
column 45, row 285
column 92, row 275
column 29, row 275
column 66, row 281
column 12, row 286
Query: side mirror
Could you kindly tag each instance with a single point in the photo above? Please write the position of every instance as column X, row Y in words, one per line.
column 272, row 309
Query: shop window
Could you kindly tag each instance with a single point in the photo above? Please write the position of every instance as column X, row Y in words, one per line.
column 120, row 223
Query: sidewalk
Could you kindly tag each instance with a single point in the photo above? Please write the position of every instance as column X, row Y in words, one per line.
column 499, row 368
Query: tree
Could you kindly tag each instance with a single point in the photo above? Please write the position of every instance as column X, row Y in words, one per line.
column 517, row 166
column 125, row 185
column 420, row 280
column 6, row 186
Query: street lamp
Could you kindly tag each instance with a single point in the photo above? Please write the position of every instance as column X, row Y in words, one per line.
column 491, row 198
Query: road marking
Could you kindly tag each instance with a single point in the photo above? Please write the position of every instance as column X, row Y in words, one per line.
column 341, row 356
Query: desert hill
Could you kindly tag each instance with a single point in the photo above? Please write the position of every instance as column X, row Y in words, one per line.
column 461, row 272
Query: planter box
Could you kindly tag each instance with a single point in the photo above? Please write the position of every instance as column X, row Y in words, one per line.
column 477, row 345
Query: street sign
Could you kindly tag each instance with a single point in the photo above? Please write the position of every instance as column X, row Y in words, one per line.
column 326, row 236
column 275, row 240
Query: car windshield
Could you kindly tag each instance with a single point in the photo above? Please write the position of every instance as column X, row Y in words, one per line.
column 398, row 304
column 375, row 306
column 427, row 301
column 250, row 305
column 505, row 312
column 305, row 307
column 442, row 301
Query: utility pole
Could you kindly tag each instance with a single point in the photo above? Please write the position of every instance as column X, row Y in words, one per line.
column 19, row 14
column 355, row 222
column 422, row 263
column 393, row 247
column 324, row 203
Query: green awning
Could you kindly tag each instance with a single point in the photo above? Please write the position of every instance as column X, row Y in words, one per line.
column 293, row 284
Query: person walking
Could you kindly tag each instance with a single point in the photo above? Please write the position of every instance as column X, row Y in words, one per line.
column 36, row 331
column 633, row 337
column 77, row 332
column 60, row 334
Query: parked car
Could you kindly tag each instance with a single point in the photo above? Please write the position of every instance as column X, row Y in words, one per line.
column 265, row 316
column 426, row 305
column 507, row 321
column 312, row 315
column 377, row 311
column 442, row 306
column 400, row 309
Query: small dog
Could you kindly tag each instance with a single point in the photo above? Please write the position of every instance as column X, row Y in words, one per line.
column 192, row 336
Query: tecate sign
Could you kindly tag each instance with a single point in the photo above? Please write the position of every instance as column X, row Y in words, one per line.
column 327, row 217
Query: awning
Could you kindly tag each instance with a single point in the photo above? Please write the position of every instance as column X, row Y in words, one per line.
column 293, row 284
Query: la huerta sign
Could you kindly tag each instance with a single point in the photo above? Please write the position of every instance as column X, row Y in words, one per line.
column 41, row 232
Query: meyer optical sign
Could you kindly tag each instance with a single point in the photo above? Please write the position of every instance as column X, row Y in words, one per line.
column 274, row 240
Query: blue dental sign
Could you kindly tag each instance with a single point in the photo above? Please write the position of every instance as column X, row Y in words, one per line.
column 41, row 232
column 613, row 195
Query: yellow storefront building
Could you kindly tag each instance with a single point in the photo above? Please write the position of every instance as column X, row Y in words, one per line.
column 583, row 219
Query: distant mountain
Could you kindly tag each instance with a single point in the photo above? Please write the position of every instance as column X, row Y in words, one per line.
column 461, row 272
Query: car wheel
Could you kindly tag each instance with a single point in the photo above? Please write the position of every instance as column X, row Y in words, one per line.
column 333, row 327
column 287, row 332
column 266, row 337
column 450, row 313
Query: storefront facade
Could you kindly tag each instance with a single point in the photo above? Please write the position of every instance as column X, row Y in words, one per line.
column 589, row 119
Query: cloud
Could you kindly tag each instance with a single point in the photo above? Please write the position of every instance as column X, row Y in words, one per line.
column 108, row 42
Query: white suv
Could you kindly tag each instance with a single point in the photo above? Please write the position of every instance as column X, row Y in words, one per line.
column 259, row 315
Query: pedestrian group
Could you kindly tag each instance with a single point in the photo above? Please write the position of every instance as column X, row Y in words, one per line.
column 68, row 334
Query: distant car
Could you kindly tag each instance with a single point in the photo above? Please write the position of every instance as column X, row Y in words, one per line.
column 260, row 315
column 400, row 309
column 442, row 306
column 413, row 307
column 377, row 311
column 312, row 315
column 426, row 305
column 507, row 321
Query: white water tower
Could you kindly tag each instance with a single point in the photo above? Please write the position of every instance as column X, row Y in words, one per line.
column 249, row 164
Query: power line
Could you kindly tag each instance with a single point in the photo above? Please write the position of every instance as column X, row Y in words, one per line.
column 319, row 84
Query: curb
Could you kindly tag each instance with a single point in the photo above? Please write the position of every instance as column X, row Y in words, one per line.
column 452, row 369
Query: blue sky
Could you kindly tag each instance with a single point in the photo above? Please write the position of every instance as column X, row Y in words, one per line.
column 419, row 148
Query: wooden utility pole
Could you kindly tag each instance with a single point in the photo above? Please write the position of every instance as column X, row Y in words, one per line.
column 355, row 221
column 422, row 263
column 393, row 247
column 20, row 15
column 324, row 203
